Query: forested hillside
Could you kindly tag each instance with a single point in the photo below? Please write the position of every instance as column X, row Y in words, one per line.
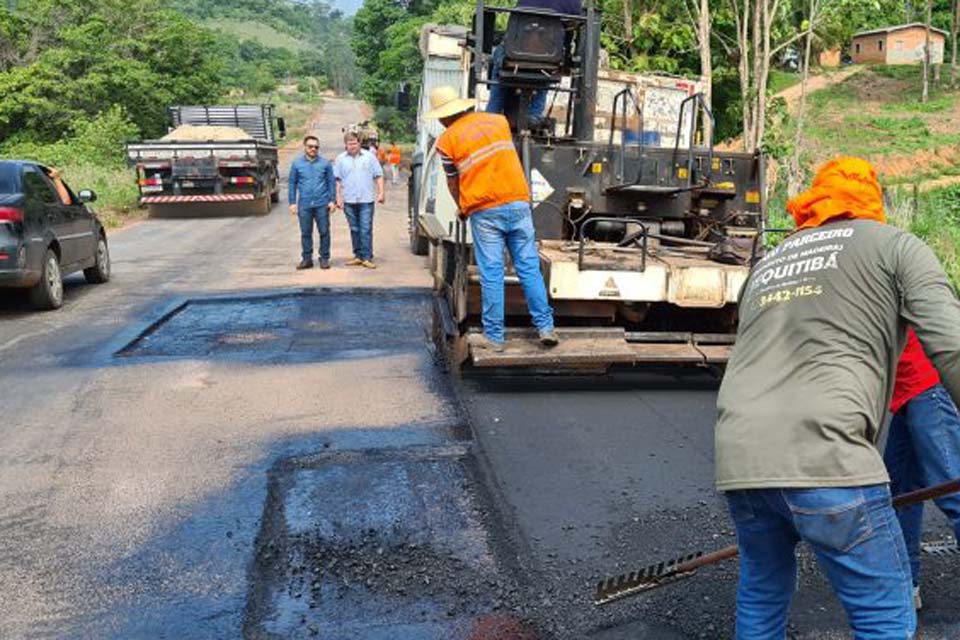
column 78, row 78
column 313, row 32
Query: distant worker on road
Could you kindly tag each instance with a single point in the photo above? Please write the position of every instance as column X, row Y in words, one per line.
column 359, row 182
column 486, row 180
column 923, row 446
column 394, row 157
column 823, row 319
column 499, row 95
column 312, row 192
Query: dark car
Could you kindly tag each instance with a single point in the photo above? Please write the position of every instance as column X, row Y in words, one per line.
column 45, row 235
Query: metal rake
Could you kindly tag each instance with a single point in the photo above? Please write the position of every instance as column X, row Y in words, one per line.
column 661, row 573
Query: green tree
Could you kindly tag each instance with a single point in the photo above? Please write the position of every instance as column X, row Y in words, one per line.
column 141, row 61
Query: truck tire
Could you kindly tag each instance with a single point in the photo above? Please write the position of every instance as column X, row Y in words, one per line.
column 275, row 195
column 100, row 271
column 419, row 244
column 47, row 294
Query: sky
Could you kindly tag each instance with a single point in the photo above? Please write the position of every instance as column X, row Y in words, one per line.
column 348, row 7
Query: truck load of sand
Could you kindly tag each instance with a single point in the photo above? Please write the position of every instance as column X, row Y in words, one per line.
column 204, row 133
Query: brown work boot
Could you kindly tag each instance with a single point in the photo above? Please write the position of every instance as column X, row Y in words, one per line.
column 369, row 264
column 483, row 342
column 354, row 262
column 549, row 338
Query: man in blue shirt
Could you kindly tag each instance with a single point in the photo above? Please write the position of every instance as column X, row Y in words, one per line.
column 312, row 193
column 358, row 174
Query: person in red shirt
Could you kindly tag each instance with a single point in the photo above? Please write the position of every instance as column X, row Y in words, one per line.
column 923, row 445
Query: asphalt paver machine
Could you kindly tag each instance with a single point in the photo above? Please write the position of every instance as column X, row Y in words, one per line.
column 645, row 237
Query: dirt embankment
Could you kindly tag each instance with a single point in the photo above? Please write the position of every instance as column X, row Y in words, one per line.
column 897, row 167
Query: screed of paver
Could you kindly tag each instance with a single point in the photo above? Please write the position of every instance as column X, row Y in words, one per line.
column 379, row 546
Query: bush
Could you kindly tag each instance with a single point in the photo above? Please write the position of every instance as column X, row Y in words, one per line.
column 116, row 189
column 394, row 124
column 91, row 157
column 935, row 218
column 97, row 141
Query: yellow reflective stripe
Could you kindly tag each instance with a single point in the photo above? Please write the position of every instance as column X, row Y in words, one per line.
column 482, row 154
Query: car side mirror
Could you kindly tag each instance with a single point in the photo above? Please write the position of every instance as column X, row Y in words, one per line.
column 282, row 127
column 87, row 195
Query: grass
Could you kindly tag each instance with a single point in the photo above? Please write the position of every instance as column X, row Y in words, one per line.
column 939, row 103
column 878, row 113
column 780, row 80
column 260, row 32
column 116, row 190
column 935, row 218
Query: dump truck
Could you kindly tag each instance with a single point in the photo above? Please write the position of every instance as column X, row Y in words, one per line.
column 218, row 159
column 646, row 232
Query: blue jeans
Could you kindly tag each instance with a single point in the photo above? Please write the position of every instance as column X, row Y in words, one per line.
column 853, row 532
column 499, row 95
column 360, row 218
column 307, row 216
column 510, row 224
column 923, row 449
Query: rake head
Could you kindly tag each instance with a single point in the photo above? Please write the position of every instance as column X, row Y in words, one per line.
column 650, row 577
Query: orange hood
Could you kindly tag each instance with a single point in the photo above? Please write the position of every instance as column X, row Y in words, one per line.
column 844, row 188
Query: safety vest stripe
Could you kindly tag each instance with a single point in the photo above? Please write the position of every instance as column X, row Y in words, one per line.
column 482, row 154
column 485, row 151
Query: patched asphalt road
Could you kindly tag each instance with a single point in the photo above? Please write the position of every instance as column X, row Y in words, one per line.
column 214, row 446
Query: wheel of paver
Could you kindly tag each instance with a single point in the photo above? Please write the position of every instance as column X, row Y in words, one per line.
column 275, row 196
column 419, row 244
column 100, row 271
column 48, row 293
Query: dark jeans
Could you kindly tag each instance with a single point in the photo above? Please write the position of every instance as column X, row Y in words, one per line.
column 360, row 218
column 853, row 532
column 307, row 217
column 923, row 449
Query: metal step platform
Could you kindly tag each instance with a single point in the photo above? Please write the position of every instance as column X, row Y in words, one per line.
column 595, row 347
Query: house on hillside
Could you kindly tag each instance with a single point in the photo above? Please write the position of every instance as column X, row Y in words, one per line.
column 902, row 44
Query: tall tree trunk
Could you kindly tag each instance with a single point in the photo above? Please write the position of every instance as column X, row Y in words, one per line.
column 763, row 74
column 628, row 27
column 795, row 174
column 954, row 29
column 926, row 54
column 706, row 60
column 743, row 45
column 756, row 88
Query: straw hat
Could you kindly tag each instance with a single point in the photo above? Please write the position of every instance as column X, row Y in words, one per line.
column 446, row 102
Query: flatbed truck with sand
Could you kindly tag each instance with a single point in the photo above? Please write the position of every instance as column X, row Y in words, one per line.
column 216, row 160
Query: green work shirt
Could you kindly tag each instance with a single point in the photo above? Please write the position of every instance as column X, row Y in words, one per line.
column 823, row 319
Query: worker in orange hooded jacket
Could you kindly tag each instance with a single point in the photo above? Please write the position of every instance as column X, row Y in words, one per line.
column 823, row 319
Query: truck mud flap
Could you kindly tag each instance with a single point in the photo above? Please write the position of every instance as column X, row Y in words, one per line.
column 591, row 347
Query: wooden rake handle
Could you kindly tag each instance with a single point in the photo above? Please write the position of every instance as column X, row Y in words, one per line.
column 901, row 500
